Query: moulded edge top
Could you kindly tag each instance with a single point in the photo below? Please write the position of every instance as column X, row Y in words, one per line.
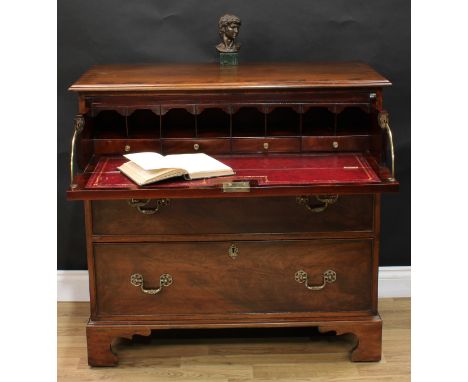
column 246, row 76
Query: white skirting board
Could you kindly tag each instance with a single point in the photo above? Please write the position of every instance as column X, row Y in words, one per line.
column 393, row 282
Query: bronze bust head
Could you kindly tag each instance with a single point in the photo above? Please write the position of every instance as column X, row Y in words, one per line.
column 228, row 30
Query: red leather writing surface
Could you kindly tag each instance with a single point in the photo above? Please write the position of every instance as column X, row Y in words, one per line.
column 261, row 170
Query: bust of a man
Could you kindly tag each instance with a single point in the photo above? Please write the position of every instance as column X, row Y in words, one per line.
column 228, row 30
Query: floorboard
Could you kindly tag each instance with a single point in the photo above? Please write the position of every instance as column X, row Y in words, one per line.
column 293, row 355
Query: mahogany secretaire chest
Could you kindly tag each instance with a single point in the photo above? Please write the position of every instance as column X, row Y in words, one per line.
column 292, row 239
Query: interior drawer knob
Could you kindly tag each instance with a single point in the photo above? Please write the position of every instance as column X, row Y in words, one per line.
column 196, row 146
column 164, row 281
column 329, row 277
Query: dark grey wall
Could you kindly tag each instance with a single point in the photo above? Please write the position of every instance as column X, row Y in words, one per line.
column 121, row 31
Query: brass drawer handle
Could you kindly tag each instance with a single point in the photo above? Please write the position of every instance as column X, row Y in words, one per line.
column 78, row 126
column 164, row 281
column 329, row 277
column 326, row 200
column 384, row 125
column 140, row 205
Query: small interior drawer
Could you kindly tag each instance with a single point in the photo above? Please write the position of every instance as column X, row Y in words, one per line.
column 266, row 145
column 358, row 143
column 189, row 146
column 124, row 146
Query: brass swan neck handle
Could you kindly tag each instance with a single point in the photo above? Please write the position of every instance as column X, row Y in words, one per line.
column 164, row 281
column 385, row 125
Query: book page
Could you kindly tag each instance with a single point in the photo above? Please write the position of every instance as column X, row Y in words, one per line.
column 142, row 177
column 147, row 160
column 198, row 165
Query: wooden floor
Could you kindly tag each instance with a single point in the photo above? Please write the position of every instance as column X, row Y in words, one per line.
column 236, row 355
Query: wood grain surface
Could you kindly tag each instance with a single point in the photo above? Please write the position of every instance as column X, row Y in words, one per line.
column 233, row 215
column 267, row 113
column 185, row 77
column 207, row 281
column 236, row 355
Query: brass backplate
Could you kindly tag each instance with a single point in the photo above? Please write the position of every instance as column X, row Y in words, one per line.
column 236, row 187
column 233, row 251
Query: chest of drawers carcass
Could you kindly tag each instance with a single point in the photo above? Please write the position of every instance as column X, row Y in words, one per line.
column 290, row 240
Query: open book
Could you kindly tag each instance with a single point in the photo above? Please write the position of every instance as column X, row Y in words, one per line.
column 145, row 168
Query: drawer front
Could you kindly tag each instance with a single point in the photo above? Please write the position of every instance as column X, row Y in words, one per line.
column 234, row 215
column 207, row 146
column 266, row 145
column 120, row 146
column 338, row 143
column 209, row 278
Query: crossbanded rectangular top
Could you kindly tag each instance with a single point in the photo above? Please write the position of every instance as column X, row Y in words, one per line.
column 246, row 76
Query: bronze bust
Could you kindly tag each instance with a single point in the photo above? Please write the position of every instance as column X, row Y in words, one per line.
column 228, row 30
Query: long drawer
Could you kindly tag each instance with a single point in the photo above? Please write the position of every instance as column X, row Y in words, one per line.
column 234, row 215
column 209, row 278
